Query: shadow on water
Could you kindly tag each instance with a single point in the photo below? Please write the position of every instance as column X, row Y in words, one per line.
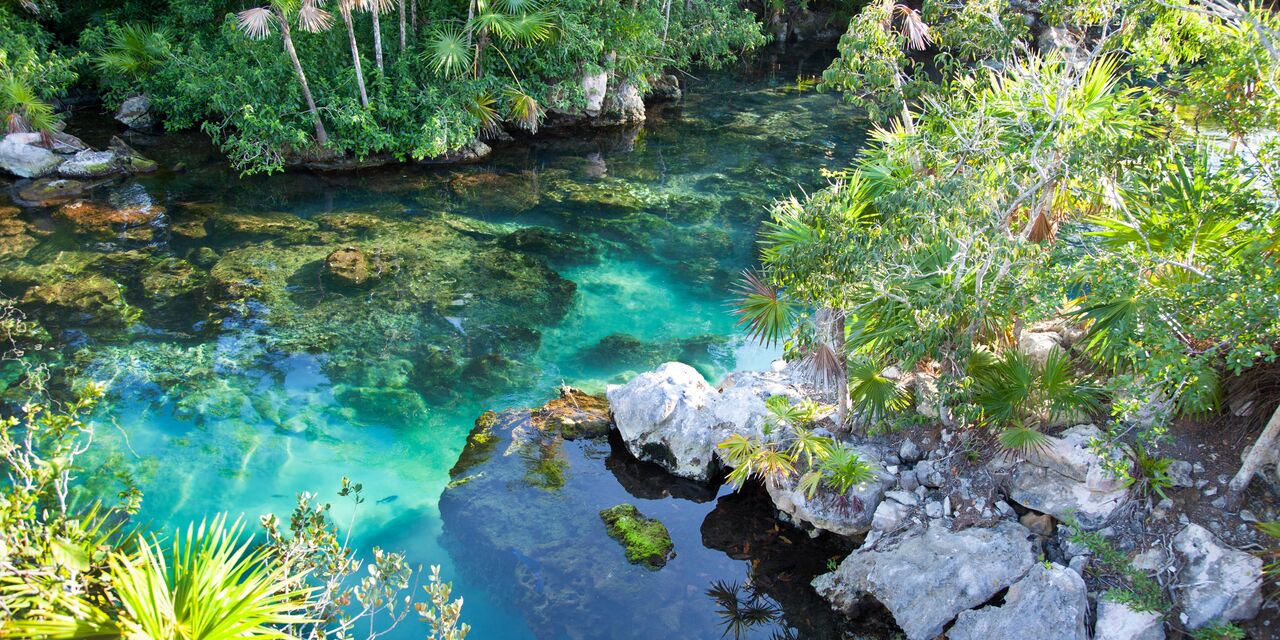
column 264, row 336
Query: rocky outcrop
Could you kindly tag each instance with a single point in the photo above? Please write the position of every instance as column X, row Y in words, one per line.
column 25, row 159
column 622, row 105
column 851, row 514
column 473, row 151
column 354, row 267
column 594, row 88
column 90, row 164
column 1119, row 621
column 1217, row 583
column 673, row 417
column 1065, row 479
column 135, row 113
column 1049, row 603
column 926, row 579
column 664, row 88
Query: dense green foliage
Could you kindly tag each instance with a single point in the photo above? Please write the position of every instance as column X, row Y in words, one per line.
column 427, row 80
column 1117, row 179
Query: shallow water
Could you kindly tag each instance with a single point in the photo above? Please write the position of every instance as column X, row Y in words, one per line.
column 241, row 374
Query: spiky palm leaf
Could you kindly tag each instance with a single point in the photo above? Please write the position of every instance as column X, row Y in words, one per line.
column 767, row 314
column 482, row 107
column 845, row 469
column 135, row 49
column 874, row 395
column 447, row 51
column 313, row 18
column 913, row 27
column 1111, row 325
column 813, row 447
column 255, row 23
column 523, row 109
column 524, row 29
column 1023, row 440
column 23, row 109
column 824, row 364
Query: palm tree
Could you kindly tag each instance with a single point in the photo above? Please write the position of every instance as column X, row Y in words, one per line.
column 256, row 23
column 375, row 8
column 344, row 9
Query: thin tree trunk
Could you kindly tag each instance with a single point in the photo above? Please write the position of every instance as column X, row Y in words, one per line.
column 1263, row 448
column 908, row 123
column 471, row 16
column 842, row 381
column 355, row 57
column 666, row 20
column 377, row 38
column 413, row 18
column 402, row 26
column 481, row 43
column 322, row 137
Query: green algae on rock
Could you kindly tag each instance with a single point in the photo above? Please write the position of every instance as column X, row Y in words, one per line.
column 645, row 540
column 574, row 415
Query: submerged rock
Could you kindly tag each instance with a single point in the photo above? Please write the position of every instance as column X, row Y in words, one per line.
column 1217, row 583
column 355, row 267
column 665, row 88
column 50, row 191
column 379, row 405
column 137, row 223
column 557, row 246
column 1065, row 480
column 645, row 540
column 1049, row 603
column 926, row 579
column 85, row 299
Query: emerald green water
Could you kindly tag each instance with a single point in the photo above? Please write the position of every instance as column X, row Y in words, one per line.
column 241, row 374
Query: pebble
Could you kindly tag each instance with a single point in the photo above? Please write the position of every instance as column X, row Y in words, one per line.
column 946, row 506
column 903, row 497
column 1202, row 483
column 1004, row 508
column 908, row 482
column 1211, row 491
column 933, row 510
column 1219, row 502
column 1248, row 516
column 1197, row 467
column 909, row 451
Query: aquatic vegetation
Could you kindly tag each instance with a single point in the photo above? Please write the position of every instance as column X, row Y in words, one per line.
column 645, row 540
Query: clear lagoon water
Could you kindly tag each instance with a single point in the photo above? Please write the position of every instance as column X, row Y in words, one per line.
column 240, row 374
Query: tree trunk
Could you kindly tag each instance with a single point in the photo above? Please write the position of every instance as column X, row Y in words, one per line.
column 908, row 123
column 355, row 57
column 471, row 16
column 413, row 18
column 842, row 382
column 666, row 20
column 377, row 38
column 1262, row 450
column 402, row 26
column 322, row 138
column 481, row 43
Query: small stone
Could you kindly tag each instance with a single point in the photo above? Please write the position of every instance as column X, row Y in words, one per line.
column 946, row 506
column 1248, row 516
column 1202, row 483
column 1210, row 492
column 1198, row 468
column 908, row 482
column 645, row 540
column 1223, row 479
column 889, row 515
column 1079, row 564
column 903, row 497
column 929, row 475
column 1219, row 503
column 1038, row 523
column 1119, row 621
column 1004, row 508
column 1180, row 473
column 933, row 510
column 909, row 451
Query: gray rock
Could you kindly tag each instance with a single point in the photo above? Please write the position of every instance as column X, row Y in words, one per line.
column 1118, row 621
column 1004, row 509
column 908, row 481
column 929, row 474
column 673, row 417
column 665, row 88
column 1080, row 564
column 25, row 160
column 594, row 87
column 135, row 113
column 1180, row 473
column 1216, row 582
column 889, row 515
column 90, row 164
column 925, row 580
column 473, row 151
column 1067, row 480
column 622, row 105
column 1047, row 604
column 850, row 515
column 903, row 497
column 1219, row 503
column 909, row 451
column 1037, row 346
column 933, row 510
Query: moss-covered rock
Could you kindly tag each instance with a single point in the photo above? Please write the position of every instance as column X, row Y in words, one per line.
column 574, row 415
column 557, row 246
column 280, row 225
column 82, row 300
column 380, row 405
column 508, row 193
column 352, row 267
column 171, row 278
column 47, row 192
column 645, row 540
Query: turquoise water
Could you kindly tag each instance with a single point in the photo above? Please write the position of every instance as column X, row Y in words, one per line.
column 242, row 374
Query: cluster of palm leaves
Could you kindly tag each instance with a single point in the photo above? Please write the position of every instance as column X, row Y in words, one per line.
column 742, row 608
column 1021, row 396
column 23, row 110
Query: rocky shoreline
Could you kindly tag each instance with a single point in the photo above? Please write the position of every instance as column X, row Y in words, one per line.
column 948, row 542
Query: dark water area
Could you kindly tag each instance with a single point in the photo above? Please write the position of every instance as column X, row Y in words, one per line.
column 243, row 371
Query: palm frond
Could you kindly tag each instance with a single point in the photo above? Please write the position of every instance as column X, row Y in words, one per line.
column 1023, row 440
column 766, row 312
column 312, row 18
column 447, row 52
column 874, row 395
column 845, row 469
column 824, row 364
column 255, row 23
column 482, row 107
column 135, row 49
column 914, row 27
column 523, row 109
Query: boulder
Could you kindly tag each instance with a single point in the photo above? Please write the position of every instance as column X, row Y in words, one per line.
column 594, row 87
column 1049, row 603
column 1065, row 479
column 665, row 88
column 574, row 414
column 50, row 191
column 1119, row 621
column 64, row 142
column 928, row 578
column 25, row 160
column 128, row 158
column 671, row 416
column 91, row 164
column 622, row 105
column 645, row 540
column 473, row 151
column 1217, row 583
column 1037, row 346
column 851, row 514
column 91, row 299
column 135, row 113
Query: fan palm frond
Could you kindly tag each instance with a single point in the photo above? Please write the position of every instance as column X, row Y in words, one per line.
column 874, row 395
column 312, row 18
column 255, row 23
column 914, row 27
column 766, row 312
column 845, row 469
column 824, row 364
column 1022, row 440
column 482, row 107
column 447, row 52
column 523, row 109
column 135, row 49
